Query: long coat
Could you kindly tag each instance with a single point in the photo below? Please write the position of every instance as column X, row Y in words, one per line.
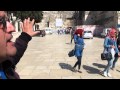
column 79, row 45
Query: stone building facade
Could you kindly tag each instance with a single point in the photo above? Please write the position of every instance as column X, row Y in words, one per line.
column 49, row 19
column 74, row 18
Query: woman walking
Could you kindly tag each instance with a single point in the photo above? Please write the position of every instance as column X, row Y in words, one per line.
column 116, row 55
column 79, row 46
column 110, row 46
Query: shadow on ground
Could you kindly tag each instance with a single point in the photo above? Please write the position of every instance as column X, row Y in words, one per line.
column 118, row 70
column 99, row 65
column 65, row 66
column 91, row 70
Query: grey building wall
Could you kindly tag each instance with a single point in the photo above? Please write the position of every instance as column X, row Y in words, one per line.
column 104, row 18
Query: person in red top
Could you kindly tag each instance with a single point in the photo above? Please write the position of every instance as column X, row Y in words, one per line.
column 110, row 46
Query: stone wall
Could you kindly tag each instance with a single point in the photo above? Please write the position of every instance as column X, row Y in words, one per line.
column 51, row 16
column 102, row 18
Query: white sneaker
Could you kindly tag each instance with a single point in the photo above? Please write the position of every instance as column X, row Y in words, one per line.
column 105, row 74
column 109, row 75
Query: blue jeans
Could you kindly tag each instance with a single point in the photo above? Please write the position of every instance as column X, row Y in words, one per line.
column 110, row 62
column 109, row 65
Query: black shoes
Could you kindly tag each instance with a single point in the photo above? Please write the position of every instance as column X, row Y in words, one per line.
column 79, row 71
column 74, row 70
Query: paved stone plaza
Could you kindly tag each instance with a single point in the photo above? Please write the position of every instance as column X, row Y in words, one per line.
column 47, row 58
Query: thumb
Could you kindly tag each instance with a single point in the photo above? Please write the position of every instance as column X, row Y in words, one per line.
column 35, row 33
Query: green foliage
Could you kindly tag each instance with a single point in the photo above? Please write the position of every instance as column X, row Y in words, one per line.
column 37, row 15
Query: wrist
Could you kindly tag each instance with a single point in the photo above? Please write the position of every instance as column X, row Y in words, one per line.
column 26, row 37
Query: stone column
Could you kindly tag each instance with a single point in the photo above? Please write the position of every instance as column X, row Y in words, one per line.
column 16, row 26
column 20, row 26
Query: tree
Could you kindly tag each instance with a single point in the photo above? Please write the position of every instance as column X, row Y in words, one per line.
column 37, row 15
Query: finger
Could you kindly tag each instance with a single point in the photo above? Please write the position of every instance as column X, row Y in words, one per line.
column 24, row 23
column 27, row 22
column 33, row 21
column 35, row 33
column 29, row 19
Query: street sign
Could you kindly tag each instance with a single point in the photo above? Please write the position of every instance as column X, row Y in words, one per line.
column 59, row 22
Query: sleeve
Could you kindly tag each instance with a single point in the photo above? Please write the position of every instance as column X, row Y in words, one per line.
column 75, row 38
column 116, row 48
column 106, row 43
column 21, row 44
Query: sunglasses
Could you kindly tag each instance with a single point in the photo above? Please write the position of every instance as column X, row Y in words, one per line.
column 3, row 21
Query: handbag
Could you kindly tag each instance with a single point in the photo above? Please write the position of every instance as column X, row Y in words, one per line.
column 71, row 53
column 106, row 55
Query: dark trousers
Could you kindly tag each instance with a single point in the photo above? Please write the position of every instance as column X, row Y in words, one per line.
column 78, row 62
column 114, row 62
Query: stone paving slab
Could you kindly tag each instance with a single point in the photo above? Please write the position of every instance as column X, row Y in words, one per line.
column 47, row 58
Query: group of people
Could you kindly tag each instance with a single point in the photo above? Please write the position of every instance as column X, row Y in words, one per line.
column 11, row 52
column 64, row 31
column 111, row 44
column 61, row 32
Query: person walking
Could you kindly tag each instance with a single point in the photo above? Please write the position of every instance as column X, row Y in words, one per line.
column 79, row 46
column 110, row 46
column 116, row 55
column 72, row 34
